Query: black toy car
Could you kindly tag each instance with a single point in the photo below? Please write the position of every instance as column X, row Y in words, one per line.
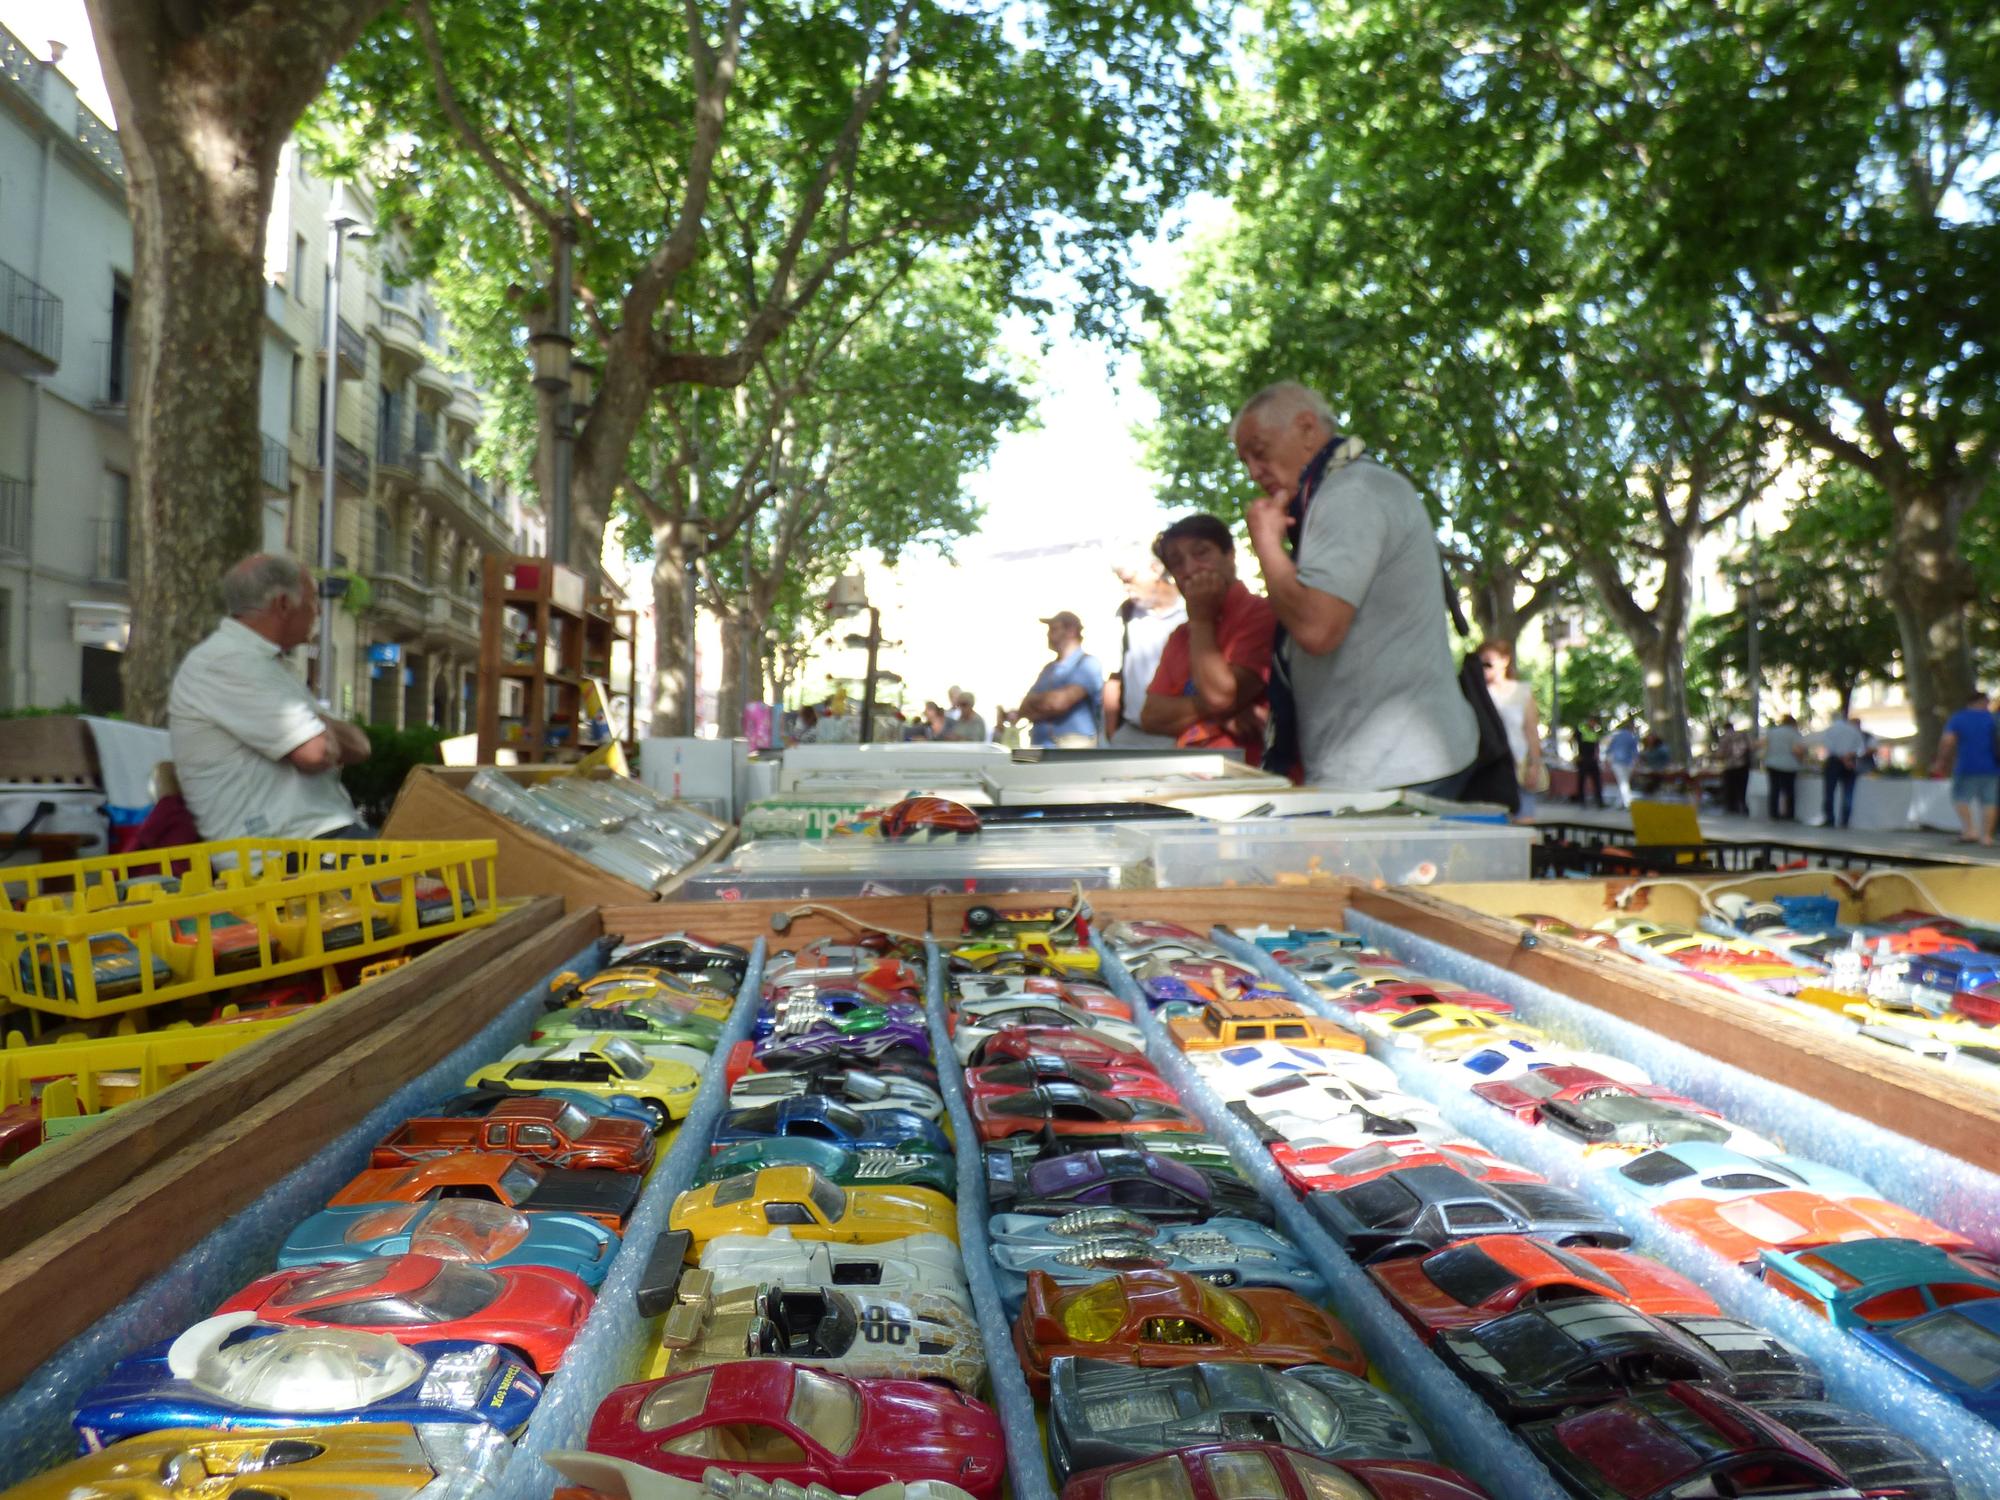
column 1693, row 1440
column 1165, row 1191
column 1104, row 1413
column 1590, row 1350
column 1419, row 1209
column 691, row 958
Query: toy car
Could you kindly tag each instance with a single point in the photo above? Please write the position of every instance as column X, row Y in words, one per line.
column 1135, row 1079
column 642, row 1021
column 817, row 1118
column 1163, row 1190
column 977, row 1020
column 1688, row 1169
column 839, row 1165
column 1510, row 1057
column 232, row 944
column 530, row 1311
column 1026, row 953
column 1089, row 1048
column 773, row 1420
column 1654, row 1445
column 115, row 968
column 1956, row 1349
column 870, row 1335
column 1216, row 1471
column 458, row 1229
column 1159, row 1318
column 812, row 1207
column 914, row 1265
column 599, row 1477
column 234, row 1372
column 1445, row 1028
column 339, row 921
column 1876, row 1283
column 1544, row 1360
column 1326, row 1169
column 1101, row 1413
column 365, row 1458
column 1743, row 1226
column 1090, row 1244
column 1417, row 1209
column 1231, row 1023
column 543, row 1130
column 1299, row 1109
column 1233, row 1072
column 494, row 1177
column 1586, row 1106
column 1067, row 1109
column 894, row 1040
column 431, row 899
column 1477, row 1280
column 482, row 1101
column 857, row 1089
column 610, row 1067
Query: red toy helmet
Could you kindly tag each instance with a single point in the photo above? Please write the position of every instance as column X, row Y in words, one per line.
column 929, row 815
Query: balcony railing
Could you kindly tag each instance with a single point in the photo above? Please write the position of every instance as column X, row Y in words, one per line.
column 30, row 324
column 398, row 596
column 351, row 347
column 111, row 562
column 16, row 498
column 450, row 616
column 350, row 463
column 274, row 465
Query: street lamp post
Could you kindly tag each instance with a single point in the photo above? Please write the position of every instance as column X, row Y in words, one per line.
column 1752, row 657
column 1558, row 629
column 873, row 641
column 343, row 223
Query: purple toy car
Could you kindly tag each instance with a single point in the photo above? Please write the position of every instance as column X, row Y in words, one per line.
column 897, row 1039
column 1161, row 1191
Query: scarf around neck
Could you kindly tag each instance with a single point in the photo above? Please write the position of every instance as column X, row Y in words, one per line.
column 1338, row 453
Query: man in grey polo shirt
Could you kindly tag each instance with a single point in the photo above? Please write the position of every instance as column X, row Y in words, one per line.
column 255, row 756
column 1361, row 600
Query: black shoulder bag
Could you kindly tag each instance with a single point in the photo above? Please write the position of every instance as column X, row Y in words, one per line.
column 1493, row 777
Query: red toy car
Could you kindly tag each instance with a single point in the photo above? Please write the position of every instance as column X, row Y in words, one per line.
column 1523, row 1097
column 1067, row 1109
column 531, row 1311
column 1128, row 1078
column 769, row 1418
column 1410, row 994
column 1167, row 1318
column 1092, row 1049
column 1223, row 1471
column 1476, row 1280
column 1328, row 1169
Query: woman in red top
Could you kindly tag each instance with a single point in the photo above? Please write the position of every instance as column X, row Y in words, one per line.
column 1209, row 690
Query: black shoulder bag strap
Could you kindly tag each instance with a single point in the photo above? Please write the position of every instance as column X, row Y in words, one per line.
column 1281, row 731
column 1494, row 776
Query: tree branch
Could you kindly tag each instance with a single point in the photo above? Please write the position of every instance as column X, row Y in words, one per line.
column 475, row 139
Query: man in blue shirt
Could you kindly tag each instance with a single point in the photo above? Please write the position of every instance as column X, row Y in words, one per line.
column 1967, row 751
column 1066, row 703
column 1621, row 753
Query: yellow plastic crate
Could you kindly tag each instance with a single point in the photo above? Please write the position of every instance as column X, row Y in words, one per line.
column 96, row 937
column 153, row 1060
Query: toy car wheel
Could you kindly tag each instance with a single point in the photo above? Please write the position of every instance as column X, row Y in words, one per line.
column 979, row 918
column 657, row 1113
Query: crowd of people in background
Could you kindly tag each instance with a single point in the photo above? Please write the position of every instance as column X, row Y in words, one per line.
column 1341, row 674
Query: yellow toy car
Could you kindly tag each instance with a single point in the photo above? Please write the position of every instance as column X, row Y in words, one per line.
column 1027, row 951
column 316, row 1463
column 616, row 986
column 607, row 1068
column 799, row 1200
column 1445, row 1027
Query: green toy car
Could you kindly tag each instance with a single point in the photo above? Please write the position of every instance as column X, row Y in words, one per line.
column 911, row 1165
column 645, row 1025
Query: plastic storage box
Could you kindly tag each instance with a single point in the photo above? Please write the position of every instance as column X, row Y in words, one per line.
column 1036, row 859
column 1304, row 851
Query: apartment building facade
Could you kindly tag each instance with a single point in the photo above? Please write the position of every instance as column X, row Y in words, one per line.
column 411, row 519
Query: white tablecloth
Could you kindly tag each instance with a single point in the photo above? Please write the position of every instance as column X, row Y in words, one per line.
column 1882, row 802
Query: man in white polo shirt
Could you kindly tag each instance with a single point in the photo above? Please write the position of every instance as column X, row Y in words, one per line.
column 255, row 756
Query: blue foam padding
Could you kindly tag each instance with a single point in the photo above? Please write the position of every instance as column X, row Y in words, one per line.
column 1027, row 1462
column 1855, row 1376
column 35, row 1431
column 614, row 1342
column 1466, row 1434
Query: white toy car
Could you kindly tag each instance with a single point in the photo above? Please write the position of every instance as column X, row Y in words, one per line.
column 855, row 1089
column 917, row 1263
column 1233, row 1072
column 980, row 1019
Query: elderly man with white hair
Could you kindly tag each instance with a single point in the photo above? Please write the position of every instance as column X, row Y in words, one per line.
column 1350, row 562
column 255, row 756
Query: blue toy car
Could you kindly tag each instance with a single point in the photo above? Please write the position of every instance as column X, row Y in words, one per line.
column 819, row 1118
column 460, row 1229
column 1092, row 1244
column 233, row 1371
column 1876, row 1283
column 1956, row 1349
column 1703, row 1169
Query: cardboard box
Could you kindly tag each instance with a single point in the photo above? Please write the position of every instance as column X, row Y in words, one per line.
column 432, row 805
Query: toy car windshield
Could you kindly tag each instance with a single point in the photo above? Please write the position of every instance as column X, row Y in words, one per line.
column 469, row 1230
column 298, row 1369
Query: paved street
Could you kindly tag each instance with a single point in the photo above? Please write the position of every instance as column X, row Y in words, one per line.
column 1913, row 842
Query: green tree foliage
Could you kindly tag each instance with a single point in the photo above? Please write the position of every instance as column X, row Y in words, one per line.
column 728, row 166
column 1591, row 273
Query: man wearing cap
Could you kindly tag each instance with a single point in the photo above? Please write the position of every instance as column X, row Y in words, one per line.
column 1208, row 691
column 1066, row 703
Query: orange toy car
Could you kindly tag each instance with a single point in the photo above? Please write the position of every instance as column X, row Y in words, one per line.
column 494, row 1177
column 1230, row 1023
